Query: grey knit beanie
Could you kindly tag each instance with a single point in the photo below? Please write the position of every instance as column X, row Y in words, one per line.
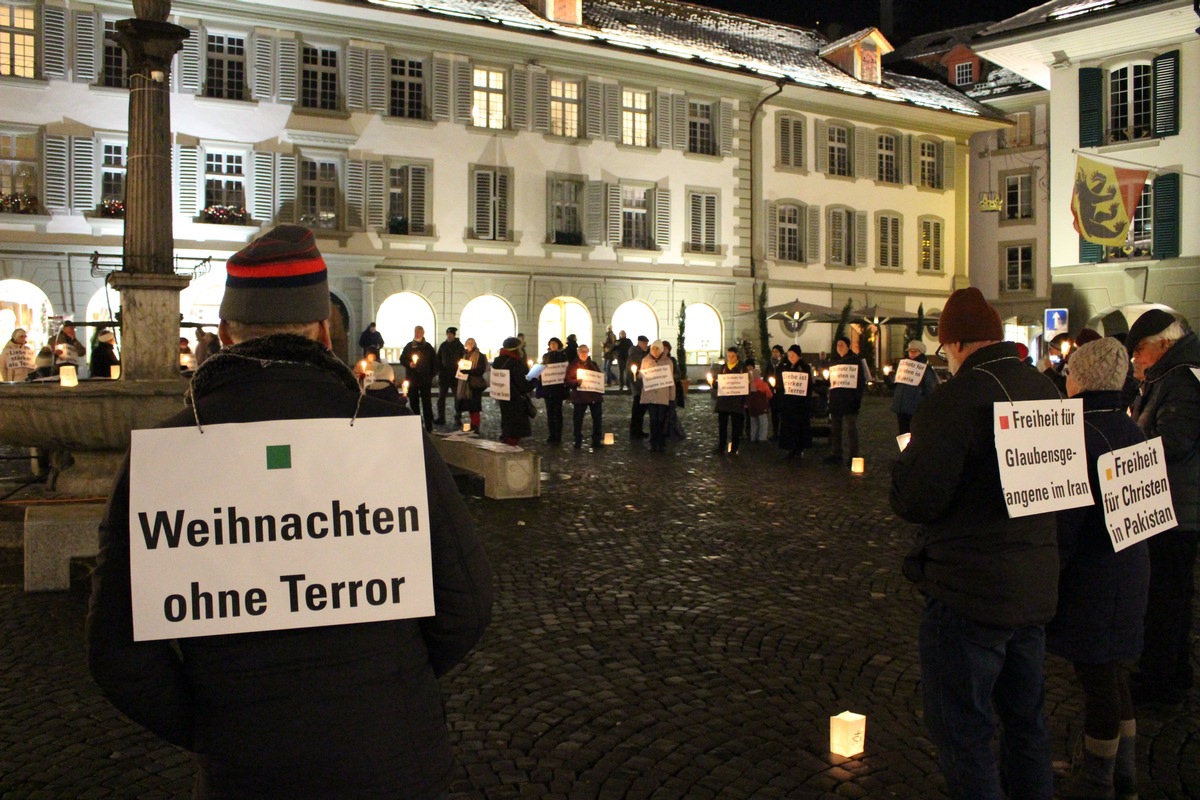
column 1100, row 365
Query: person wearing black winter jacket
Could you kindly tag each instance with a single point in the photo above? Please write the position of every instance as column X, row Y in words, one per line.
column 514, row 415
column 1101, row 593
column 349, row 710
column 420, row 365
column 449, row 353
column 554, row 393
column 844, row 404
column 1164, row 354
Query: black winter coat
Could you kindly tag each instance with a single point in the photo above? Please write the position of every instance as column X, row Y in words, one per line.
column 419, row 360
column 1169, row 406
column 337, row 711
column 555, row 391
column 514, row 419
column 969, row 554
column 730, row 403
column 1101, row 593
column 104, row 358
column 795, row 424
column 849, row 401
column 449, row 353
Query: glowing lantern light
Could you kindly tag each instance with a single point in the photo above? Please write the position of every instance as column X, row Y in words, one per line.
column 67, row 376
column 857, row 466
column 608, row 439
column 847, row 734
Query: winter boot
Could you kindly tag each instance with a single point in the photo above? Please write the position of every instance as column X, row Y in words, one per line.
column 1092, row 772
column 1125, row 773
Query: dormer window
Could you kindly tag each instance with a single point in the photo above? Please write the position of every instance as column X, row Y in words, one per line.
column 964, row 73
column 859, row 54
column 869, row 63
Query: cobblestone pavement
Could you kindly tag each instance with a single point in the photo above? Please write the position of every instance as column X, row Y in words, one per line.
column 676, row 625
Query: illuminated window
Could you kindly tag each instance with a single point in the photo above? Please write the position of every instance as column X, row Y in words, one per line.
column 636, row 318
column 489, row 320
column 17, row 42
column 319, row 78
column 635, row 117
column 487, row 99
column 564, row 107
column 931, row 245
column 18, row 172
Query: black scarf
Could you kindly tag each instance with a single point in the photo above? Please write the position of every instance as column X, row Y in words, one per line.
column 265, row 351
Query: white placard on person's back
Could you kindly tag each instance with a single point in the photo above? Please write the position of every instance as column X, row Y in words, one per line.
column 590, row 381
column 795, row 383
column 910, row 372
column 499, row 385
column 843, row 376
column 1136, row 493
column 554, row 374
column 295, row 531
column 661, row 376
column 1041, row 453
column 733, row 383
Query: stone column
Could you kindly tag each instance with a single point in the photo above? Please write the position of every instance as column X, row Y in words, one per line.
column 148, row 284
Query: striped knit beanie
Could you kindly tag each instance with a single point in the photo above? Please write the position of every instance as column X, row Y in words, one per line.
column 280, row 277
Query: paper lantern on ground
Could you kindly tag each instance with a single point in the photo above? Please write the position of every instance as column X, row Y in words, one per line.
column 608, row 439
column 67, row 376
column 847, row 734
column 858, row 465
column 115, row 371
column 466, row 427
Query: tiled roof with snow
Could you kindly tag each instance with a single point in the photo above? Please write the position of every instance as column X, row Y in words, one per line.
column 1001, row 82
column 846, row 41
column 936, row 42
column 709, row 37
column 1059, row 10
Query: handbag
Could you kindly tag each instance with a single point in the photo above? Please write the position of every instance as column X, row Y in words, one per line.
column 530, row 408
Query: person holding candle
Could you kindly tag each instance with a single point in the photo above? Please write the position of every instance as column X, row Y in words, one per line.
column 637, row 416
column 844, row 404
column 730, row 408
column 67, row 348
column 449, row 353
column 554, row 393
column 795, row 428
column 585, row 401
column 771, row 372
column 906, row 397
column 468, row 395
column 420, row 363
column 658, row 400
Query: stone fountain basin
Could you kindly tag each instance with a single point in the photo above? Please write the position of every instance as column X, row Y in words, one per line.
column 90, row 422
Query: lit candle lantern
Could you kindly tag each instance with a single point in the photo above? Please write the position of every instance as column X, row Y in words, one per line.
column 67, row 376
column 531, row 363
column 847, row 734
column 709, row 376
column 857, row 465
column 404, row 387
column 825, row 374
column 608, row 439
column 115, row 371
column 771, row 380
column 887, row 370
column 466, row 427
column 633, row 369
column 416, row 358
column 362, row 366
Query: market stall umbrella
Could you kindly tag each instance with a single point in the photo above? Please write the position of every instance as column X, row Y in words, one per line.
column 799, row 311
column 879, row 315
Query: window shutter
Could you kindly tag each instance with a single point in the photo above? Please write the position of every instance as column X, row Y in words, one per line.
column 821, row 145
column 289, row 69
column 188, row 63
column 462, row 92
column 54, row 42
column 936, row 238
column 418, row 202
column 695, row 221
column 481, row 203
column 1091, row 107
column 378, row 69
column 1090, row 252
column 519, row 103
column 772, row 230
column 812, row 237
column 612, row 112
column 786, row 153
column 726, row 114
column 1166, row 95
column 356, row 194
column 949, row 154
column 913, row 145
column 860, row 238
column 264, row 69
column 903, row 165
column 541, row 101
column 262, row 199
column 710, row 221
column 662, row 118
column 662, row 218
column 860, row 137
column 83, row 174
column 550, row 183
column 595, row 212
column 1166, row 215
column 871, row 143
column 503, row 205
column 286, row 187
column 187, row 161
column 442, row 68
column 55, row 173
column 377, row 196
column 85, row 47
column 614, row 214
column 834, row 236
column 594, row 116
column 356, row 78
column 679, row 122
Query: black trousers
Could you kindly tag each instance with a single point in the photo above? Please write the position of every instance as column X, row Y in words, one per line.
column 554, row 417
column 420, row 400
column 446, row 389
column 597, row 410
column 637, row 418
column 1167, row 653
column 723, row 424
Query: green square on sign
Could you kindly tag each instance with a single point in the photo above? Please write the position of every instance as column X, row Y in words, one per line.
column 279, row 456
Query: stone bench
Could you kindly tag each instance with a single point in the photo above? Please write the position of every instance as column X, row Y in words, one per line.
column 507, row 472
column 54, row 535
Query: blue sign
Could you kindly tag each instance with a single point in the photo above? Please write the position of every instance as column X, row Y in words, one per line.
column 1056, row 322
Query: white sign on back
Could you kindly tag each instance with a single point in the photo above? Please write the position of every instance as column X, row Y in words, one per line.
column 1041, row 453
column 910, row 372
column 1136, row 493
column 730, row 384
column 661, row 376
column 795, row 383
column 843, row 376
column 554, row 374
column 289, row 536
column 590, row 381
column 499, row 385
